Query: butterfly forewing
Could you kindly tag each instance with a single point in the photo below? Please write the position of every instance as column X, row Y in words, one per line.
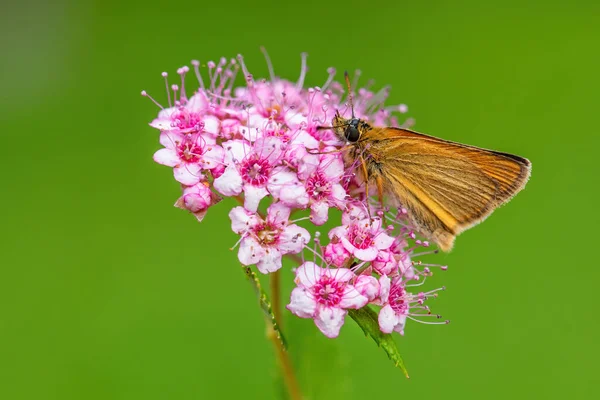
column 447, row 187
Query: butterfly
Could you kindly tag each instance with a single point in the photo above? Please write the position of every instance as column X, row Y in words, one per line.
column 446, row 187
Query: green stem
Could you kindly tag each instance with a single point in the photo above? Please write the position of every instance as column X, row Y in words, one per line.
column 275, row 285
column 285, row 364
column 273, row 331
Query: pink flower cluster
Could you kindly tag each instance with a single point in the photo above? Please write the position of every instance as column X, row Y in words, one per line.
column 263, row 144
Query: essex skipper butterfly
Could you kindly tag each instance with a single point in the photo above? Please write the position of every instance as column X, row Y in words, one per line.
column 446, row 187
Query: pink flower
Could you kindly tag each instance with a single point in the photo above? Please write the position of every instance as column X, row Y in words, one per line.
column 368, row 286
column 189, row 154
column 265, row 241
column 269, row 139
column 188, row 118
column 385, row 263
column 336, row 254
column 322, row 184
column 399, row 304
column 363, row 238
column 250, row 167
column 325, row 295
column 197, row 199
column 392, row 316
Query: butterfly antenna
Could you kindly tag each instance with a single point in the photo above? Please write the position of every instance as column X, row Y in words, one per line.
column 347, row 78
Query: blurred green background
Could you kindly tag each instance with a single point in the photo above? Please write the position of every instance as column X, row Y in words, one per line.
column 108, row 292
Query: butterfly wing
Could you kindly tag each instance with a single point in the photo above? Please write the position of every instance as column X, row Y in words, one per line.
column 447, row 187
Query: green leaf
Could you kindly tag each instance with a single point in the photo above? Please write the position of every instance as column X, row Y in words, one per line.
column 265, row 304
column 366, row 318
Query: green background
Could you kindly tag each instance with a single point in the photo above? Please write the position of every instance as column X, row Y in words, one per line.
column 108, row 292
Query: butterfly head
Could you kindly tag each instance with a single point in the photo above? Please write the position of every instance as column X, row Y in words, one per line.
column 349, row 130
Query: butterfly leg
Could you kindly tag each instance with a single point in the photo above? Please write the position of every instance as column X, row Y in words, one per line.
column 365, row 172
column 379, row 182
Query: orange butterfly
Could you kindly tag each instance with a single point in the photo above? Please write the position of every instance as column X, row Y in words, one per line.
column 447, row 187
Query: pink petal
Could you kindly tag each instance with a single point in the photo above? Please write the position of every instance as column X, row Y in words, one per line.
column 269, row 148
column 169, row 139
column 250, row 251
column 375, row 224
column 347, row 245
column 280, row 177
column 284, row 185
column 400, row 325
column 229, row 127
column 384, row 290
column 336, row 254
column 340, row 274
column 337, row 196
column 163, row 122
column 253, row 195
column 383, row 241
column 197, row 198
column 339, row 232
column 332, row 166
column 230, row 183
column 302, row 304
column 211, row 125
column 188, row 174
column 306, row 140
column 354, row 212
column 270, row 261
column 166, row 157
column 236, row 150
column 167, row 112
column 368, row 254
column 308, row 274
column 385, row 263
column 204, row 139
column 213, row 157
column 353, row 298
column 278, row 214
column 250, row 134
column 329, row 320
column 407, row 270
column 198, row 102
column 294, row 196
column 242, row 220
column 308, row 165
column 294, row 119
column 368, row 286
column 319, row 212
column 292, row 239
column 387, row 319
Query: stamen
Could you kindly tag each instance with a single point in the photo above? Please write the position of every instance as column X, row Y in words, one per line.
column 175, row 88
column 408, row 123
column 238, row 242
column 446, row 322
column 164, row 74
column 331, row 71
column 303, row 70
column 299, row 219
column 243, row 65
column 182, row 71
column 151, row 98
column 212, row 75
column 425, row 253
column 269, row 64
column 196, row 65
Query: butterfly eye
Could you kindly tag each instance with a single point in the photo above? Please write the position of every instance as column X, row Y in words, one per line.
column 351, row 133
